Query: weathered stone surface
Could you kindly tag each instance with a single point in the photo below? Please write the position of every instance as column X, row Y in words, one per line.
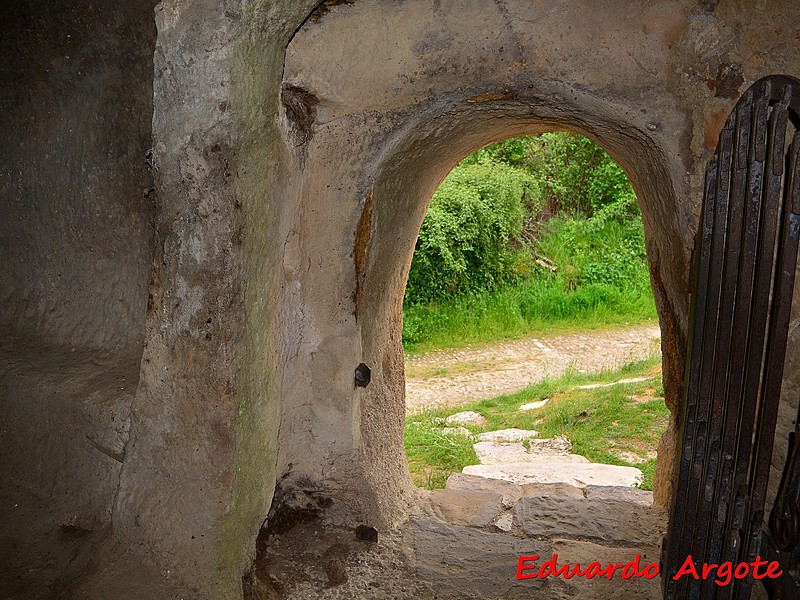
column 619, row 493
column 616, row 521
column 556, row 445
column 505, row 522
column 468, row 417
column 573, row 472
column 456, row 431
column 470, row 563
column 466, row 507
column 552, row 489
column 583, row 552
column 77, row 242
column 510, row 492
column 508, row 435
column 498, row 453
column 298, row 569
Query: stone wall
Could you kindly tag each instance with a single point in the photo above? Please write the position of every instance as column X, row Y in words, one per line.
column 76, row 240
column 294, row 153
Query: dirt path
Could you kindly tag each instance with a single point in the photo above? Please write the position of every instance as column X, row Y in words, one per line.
column 450, row 377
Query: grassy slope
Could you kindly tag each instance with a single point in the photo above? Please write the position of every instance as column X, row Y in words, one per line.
column 530, row 308
column 600, row 279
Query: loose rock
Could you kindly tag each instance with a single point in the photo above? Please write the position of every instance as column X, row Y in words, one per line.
column 534, row 405
column 456, row 431
column 469, row 417
column 508, row 435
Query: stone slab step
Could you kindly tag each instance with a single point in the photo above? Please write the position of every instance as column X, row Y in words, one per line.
column 613, row 520
column 470, row 563
column 509, row 492
column 559, row 471
column 499, row 453
column 476, row 508
column 617, row 493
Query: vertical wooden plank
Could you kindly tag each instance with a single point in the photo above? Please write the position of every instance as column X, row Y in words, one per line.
column 686, row 425
column 714, row 504
column 675, row 541
column 728, row 509
column 776, row 348
column 784, row 522
column 694, row 523
column 755, row 369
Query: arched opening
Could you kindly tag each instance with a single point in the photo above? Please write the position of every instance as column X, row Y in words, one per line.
column 396, row 196
column 370, row 141
column 529, row 282
column 341, row 443
column 371, row 159
column 404, row 186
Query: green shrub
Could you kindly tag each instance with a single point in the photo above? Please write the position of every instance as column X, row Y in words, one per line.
column 575, row 175
column 600, row 249
column 466, row 240
column 600, row 278
column 514, row 152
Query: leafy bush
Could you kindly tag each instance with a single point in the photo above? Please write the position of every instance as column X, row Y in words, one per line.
column 575, row 175
column 514, row 152
column 601, row 249
column 601, row 278
column 465, row 243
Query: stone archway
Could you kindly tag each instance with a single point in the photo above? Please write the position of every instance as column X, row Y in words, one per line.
column 247, row 318
column 375, row 135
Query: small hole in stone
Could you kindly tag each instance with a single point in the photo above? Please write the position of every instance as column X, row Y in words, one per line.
column 363, row 375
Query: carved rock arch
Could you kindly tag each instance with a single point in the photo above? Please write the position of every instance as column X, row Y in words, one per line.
column 387, row 127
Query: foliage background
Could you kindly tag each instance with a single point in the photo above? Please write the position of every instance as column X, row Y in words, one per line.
column 527, row 234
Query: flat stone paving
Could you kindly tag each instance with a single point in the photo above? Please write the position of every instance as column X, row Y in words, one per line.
column 500, row 453
column 545, row 461
column 571, row 471
column 466, row 553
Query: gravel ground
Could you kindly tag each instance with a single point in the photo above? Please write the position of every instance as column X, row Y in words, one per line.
column 452, row 377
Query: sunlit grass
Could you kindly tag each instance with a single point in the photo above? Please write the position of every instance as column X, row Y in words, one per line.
column 597, row 279
column 527, row 309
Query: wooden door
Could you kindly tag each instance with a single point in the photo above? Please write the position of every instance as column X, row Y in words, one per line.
column 744, row 274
